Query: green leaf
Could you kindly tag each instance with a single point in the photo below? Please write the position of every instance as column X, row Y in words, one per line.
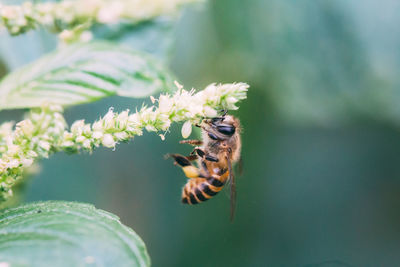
column 57, row 233
column 154, row 36
column 84, row 73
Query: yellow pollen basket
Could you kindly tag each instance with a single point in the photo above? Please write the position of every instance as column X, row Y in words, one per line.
column 191, row 171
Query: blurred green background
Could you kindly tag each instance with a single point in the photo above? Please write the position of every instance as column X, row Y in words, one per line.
column 321, row 142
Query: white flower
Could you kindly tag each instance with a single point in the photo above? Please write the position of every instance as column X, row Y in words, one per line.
column 210, row 112
column 108, row 120
column 122, row 119
column 27, row 162
column 45, row 145
column 6, row 128
column 67, row 144
column 68, row 135
column 87, row 144
column 3, row 165
column 46, row 19
column 98, row 126
column 121, row 136
column 12, row 149
column 186, row 129
column 10, row 12
column 97, row 134
column 151, row 128
column 86, row 36
column 77, row 127
column 110, row 13
column 14, row 163
column 87, row 130
column 66, row 36
column 32, row 154
column 26, row 127
column 80, row 139
column 108, row 141
column 165, row 104
column 230, row 102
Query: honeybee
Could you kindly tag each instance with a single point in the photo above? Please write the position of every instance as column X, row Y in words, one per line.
column 216, row 153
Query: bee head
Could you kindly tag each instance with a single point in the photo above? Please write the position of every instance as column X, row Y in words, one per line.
column 221, row 128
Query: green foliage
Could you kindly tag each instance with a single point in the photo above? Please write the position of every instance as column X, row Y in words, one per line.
column 67, row 234
column 84, row 73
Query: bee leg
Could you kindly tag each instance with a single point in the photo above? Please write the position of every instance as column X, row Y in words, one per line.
column 180, row 160
column 204, row 155
column 192, row 142
column 190, row 170
column 192, row 157
column 211, row 158
column 200, row 152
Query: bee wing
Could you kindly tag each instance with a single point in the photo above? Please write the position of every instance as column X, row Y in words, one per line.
column 232, row 187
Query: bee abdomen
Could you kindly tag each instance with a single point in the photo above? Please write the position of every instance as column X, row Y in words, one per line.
column 198, row 190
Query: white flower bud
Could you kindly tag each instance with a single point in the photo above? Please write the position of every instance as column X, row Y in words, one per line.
column 108, row 120
column 97, row 126
column 66, row 36
column 134, row 119
column 21, row 21
column 121, row 136
column 60, row 125
column 47, row 19
column 210, row 112
column 210, row 90
column 77, row 127
column 45, row 145
column 186, row 129
column 12, row 149
column 3, row 165
column 26, row 126
column 6, row 128
column 14, row 163
column 122, row 119
column 110, row 13
column 150, row 128
column 165, row 104
column 80, row 139
column 87, row 144
column 68, row 135
column 67, row 144
column 27, row 162
column 32, row 154
column 231, row 100
column 9, row 12
column 87, row 130
column 86, row 36
column 97, row 135
column 108, row 141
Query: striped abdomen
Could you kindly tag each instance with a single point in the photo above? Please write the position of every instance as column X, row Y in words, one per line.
column 198, row 190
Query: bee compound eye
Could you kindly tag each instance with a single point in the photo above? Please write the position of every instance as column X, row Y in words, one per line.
column 212, row 136
column 226, row 129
